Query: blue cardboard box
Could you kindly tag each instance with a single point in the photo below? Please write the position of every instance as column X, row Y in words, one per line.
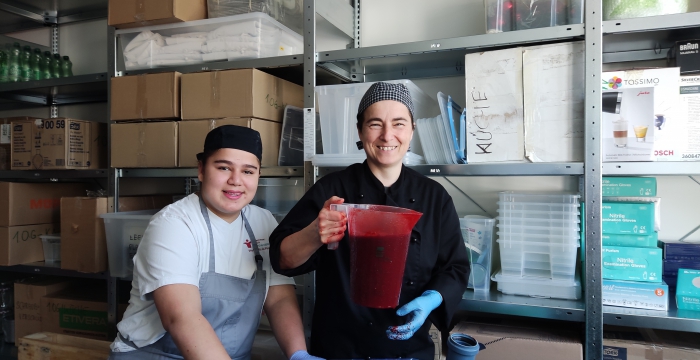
column 628, row 218
column 688, row 289
column 634, row 294
column 632, row 263
column 650, row 240
column 629, row 186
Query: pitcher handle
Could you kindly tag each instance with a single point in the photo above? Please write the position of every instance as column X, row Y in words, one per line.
column 341, row 208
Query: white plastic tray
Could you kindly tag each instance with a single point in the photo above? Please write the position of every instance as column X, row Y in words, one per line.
column 570, row 290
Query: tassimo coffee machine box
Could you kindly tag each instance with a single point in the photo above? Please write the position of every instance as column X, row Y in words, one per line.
column 632, row 132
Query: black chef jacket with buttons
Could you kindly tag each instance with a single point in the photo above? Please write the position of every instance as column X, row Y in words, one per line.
column 437, row 260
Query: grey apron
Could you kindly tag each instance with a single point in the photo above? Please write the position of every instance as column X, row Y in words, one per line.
column 231, row 305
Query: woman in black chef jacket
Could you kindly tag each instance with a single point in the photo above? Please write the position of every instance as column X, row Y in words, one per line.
column 437, row 267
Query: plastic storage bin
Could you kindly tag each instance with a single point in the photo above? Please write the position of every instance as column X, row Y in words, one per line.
column 278, row 195
column 519, row 197
column 499, row 15
column 246, row 36
column 532, row 14
column 623, row 9
column 538, row 287
column 52, row 247
column 337, row 105
column 124, row 232
column 477, row 233
column 538, row 259
column 288, row 12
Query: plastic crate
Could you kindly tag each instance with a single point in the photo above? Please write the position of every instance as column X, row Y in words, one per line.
column 514, row 285
column 539, row 223
column 540, row 215
column 546, row 207
column 539, row 260
column 52, row 247
column 246, row 36
column 519, row 197
column 337, row 106
column 124, row 231
column 477, row 234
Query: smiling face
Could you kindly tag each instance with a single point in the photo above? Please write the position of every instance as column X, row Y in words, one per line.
column 229, row 181
column 386, row 133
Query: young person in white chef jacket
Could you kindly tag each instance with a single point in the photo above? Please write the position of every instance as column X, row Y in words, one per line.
column 202, row 272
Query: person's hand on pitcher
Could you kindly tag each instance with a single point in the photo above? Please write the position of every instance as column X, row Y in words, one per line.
column 331, row 224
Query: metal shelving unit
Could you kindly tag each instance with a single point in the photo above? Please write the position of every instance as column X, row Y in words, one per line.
column 54, row 269
column 70, row 90
column 19, row 15
column 673, row 319
column 498, row 303
column 277, row 171
column 52, row 175
column 651, row 168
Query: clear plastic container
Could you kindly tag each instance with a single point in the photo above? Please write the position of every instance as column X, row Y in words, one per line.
column 245, row 36
column 477, row 233
column 623, row 9
column 522, row 197
column 532, row 14
column 545, row 207
column 124, row 231
column 538, row 259
column 289, row 12
column 52, row 247
column 569, row 216
column 499, row 15
column 557, row 225
column 337, row 106
column 515, row 285
column 278, row 195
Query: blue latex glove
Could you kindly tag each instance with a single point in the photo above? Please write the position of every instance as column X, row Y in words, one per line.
column 418, row 310
column 303, row 355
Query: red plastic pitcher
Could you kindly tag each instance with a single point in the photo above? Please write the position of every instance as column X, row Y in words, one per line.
column 379, row 238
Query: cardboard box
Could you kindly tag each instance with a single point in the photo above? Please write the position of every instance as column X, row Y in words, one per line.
column 688, row 56
column 56, row 346
column 5, row 144
column 28, row 304
column 79, row 312
column 509, row 342
column 628, row 218
column 619, row 349
column 146, row 96
column 494, row 88
column 634, row 294
column 146, row 144
column 26, row 142
column 650, row 240
column 435, row 335
column 690, row 105
column 629, row 186
column 135, row 13
column 640, row 199
column 237, row 93
column 34, row 203
column 554, row 102
column 72, row 144
column 196, row 131
column 688, row 289
column 632, row 264
column 649, row 113
column 22, row 244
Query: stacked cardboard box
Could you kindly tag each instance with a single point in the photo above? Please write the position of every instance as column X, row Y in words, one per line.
column 26, row 212
column 632, row 260
column 136, row 13
column 28, row 296
column 5, row 143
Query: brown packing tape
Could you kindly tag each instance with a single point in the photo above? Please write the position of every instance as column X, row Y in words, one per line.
column 141, row 100
column 654, row 353
column 212, row 124
column 140, row 12
column 141, row 152
column 215, row 102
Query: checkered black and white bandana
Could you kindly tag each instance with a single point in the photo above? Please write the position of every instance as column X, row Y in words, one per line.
column 385, row 91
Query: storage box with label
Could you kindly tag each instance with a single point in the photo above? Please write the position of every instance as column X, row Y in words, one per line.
column 58, row 346
column 629, row 186
column 28, row 296
column 642, row 119
column 79, row 312
column 635, row 294
column 196, row 131
column 22, row 244
column 514, row 342
column 690, row 105
column 5, row 144
column 688, row 56
column 26, row 142
column 494, row 88
column 632, row 263
column 238, row 93
column 650, row 240
column 640, row 199
column 688, row 289
column 71, row 144
column 146, row 144
column 146, row 96
column 554, row 102
column 627, row 218
column 135, row 13
column 34, row 203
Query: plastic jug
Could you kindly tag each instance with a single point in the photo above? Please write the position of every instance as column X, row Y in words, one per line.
column 462, row 347
column 379, row 237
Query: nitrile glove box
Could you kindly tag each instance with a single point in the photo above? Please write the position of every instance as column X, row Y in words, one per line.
column 650, row 241
column 629, row 186
column 634, row 294
column 632, row 263
column 628, row 218
column 688, row 290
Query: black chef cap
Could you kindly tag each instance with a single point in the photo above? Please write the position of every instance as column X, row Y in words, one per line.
column 385, row 91
column 233, row 137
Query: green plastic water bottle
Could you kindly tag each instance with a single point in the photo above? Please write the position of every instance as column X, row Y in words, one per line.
column 3, row 66
column 13, row 63
column 56, row 66
column 46, row 65
column 25, row 68
column 66, row 67
column 35, row 63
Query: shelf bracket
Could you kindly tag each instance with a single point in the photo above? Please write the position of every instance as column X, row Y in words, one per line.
column 23, row 11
